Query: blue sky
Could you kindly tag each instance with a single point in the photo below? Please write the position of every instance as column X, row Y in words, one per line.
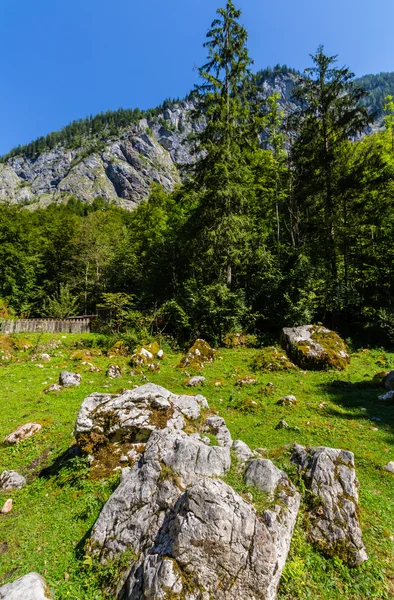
column 65, row 60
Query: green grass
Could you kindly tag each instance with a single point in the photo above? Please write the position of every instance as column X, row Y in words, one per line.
column 52, row 516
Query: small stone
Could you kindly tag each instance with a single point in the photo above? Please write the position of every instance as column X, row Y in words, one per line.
column 322, row 404
column 68, row 379
column 386, row 397
column 7, row 507
column 54, row 387
column 22, row 433
column 287, row 401
column 195, row 381
column 114, row 372
column 45, row 357
column 376, row 419
column 30, row 587
column 390, row 467
column 249, row 496
column 218, row 383
column 160, row 354
column 206, row 440
column 282, row 425
column 11, row 480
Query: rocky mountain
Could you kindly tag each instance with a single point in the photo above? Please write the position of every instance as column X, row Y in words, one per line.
column 121, row 168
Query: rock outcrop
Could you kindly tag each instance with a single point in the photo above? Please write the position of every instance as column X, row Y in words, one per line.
column 29, row 587
column 330, row 477
column 315, row 347
column 68, row 379
column 192, row 535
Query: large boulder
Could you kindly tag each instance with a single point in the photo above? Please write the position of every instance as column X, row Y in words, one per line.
column 29, row 587
column 330, row 476
column 193, row 536
column 315, row 347
column 129, row 418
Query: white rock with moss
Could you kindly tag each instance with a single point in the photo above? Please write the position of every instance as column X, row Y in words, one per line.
column 330, row 476
column 315, row 347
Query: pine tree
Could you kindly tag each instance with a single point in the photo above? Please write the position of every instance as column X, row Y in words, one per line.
column 331, row 114
column 222, row 176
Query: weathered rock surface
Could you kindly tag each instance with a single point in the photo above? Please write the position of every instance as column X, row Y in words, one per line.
column 68, row 379
column 29, row 587
column 389, row 381
column 263, row 475
column 217, row 426
column 22, row 433
column 195, row 381
column 113, row 372
column 11, row 480
column 335, row 525
column 315, row 347
column 242, row 451
column 287, row 401
column 390, row 467
column 134, row 414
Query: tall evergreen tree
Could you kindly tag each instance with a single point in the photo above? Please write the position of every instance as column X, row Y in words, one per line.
column 331, row 114
column 222, row 175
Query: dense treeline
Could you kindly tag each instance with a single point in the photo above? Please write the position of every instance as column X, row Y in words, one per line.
column 254, row 239
column 378, row 87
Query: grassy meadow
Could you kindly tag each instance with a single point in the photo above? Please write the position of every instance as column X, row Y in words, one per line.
column 53, row 514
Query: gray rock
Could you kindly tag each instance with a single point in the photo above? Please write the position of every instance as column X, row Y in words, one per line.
column 217, row 426
column 282, row 425
column 390, row 467
column 29, row 587
column 242, row 451
column 263, row 475
column 219, row 542
column 54, row 387
column 287, row 401
column 314, row 347
column 68, row 379
column 335, row 526
column 134, row 414
column 113, row 372
column 195, row 381
column 387, row 397
column 11, row 480
column 22, row 433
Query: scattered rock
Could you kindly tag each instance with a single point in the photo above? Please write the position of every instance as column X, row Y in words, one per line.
column 282, row 425
column 45, row 357
column 330, row 476
column 195, row 381
column 322, row 404
column 388, row 397
column 315, row 347
column 247, row 380
column 390, row 467
column 144, row 355
column 22, row 433
column 113, row 371
column 7, row 507
column 287, row 401
column 29, row 587
column 68, row 379
column 54, row 387
column 160, row 354
column 199, row 354
column 11, row 480
column 242, row 451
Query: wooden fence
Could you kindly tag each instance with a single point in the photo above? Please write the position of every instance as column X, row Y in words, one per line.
column 78, row 325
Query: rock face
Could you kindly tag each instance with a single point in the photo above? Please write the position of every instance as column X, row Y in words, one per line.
column 11, row 480
column 68, row 379
column 330, row 476
column 315, row 347
column 29, row 587
column 133, row 415
column 193, row 536
column 22, row 433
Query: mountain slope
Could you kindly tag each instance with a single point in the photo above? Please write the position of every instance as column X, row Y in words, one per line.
column 117, row 156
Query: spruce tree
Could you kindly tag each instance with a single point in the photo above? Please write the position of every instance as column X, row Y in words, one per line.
column 222, row 177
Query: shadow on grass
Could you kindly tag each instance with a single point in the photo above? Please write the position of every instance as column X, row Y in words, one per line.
column 54, row 469
column 361, row 401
